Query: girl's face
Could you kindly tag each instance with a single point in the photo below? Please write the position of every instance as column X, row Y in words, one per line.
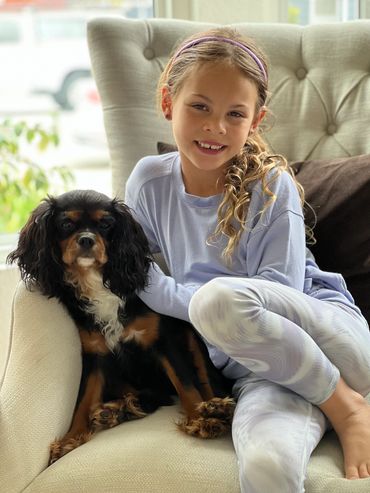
column 212, row 116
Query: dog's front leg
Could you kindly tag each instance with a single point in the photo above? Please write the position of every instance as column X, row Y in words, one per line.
column 204, row 419
column 90, row 395
column 110, row 414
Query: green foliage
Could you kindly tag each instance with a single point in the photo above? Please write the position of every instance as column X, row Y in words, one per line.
column 23, row 183
column 294, row 14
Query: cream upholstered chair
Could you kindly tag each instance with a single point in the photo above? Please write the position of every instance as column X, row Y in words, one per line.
column 321, row 85
column 319, row 80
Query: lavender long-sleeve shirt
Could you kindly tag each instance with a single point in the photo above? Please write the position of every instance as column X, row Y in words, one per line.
column 178, row 225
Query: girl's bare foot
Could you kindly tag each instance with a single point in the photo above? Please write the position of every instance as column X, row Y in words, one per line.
column 349, row 413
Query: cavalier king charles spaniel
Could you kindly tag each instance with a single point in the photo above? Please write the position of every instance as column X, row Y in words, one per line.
column 88, row 251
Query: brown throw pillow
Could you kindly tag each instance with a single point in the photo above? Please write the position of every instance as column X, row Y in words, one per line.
column 163, row 148
column 338, row 190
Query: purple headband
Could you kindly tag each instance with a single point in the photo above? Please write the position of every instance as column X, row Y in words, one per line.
column 244, row 47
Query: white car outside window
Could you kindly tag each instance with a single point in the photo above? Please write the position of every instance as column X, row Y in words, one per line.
column 45, row 53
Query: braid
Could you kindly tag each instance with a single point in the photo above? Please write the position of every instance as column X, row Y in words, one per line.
column 253, row 163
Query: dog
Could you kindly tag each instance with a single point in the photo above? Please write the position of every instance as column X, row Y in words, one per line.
column 89, row 252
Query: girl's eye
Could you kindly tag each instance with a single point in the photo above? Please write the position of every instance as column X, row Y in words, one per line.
column 199, row 106
column 236, row 114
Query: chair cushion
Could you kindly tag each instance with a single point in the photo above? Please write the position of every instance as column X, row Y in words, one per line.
column 150, row 455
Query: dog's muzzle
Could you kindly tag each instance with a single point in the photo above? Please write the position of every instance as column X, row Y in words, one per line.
column 86, row 240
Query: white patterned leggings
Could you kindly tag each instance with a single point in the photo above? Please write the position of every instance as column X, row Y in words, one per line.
column 295, row 348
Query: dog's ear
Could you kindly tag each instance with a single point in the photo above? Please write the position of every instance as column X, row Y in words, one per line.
column 36, row 254
column 129, row 255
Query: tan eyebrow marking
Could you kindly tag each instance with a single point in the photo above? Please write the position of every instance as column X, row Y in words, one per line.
column 73, row 215
column 98, row 214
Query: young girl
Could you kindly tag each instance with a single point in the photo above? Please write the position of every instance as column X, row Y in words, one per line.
column 227, row 216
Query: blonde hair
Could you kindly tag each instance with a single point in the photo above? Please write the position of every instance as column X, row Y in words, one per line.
column 254, row 162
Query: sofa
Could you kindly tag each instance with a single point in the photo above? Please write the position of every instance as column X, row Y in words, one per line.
column 320, row 107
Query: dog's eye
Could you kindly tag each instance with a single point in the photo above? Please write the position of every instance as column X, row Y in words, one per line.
column 67, row 225
column 106, row 223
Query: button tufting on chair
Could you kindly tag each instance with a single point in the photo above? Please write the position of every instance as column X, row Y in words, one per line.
column 301, row 73
column 332, row 128
column 149, row 53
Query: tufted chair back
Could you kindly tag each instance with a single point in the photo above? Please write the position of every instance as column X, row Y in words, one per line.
column 319, row 83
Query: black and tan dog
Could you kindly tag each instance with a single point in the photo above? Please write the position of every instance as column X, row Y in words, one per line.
column 88, row 251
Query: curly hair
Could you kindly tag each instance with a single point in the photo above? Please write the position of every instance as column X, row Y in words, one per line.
column 255, row 161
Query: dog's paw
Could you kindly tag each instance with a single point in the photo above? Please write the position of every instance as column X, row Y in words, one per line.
column 113, row 413
column 213, row 418
column 220, row 408
column 59, row 448
column 203, row 427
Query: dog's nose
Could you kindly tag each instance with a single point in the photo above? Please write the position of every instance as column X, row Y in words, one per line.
column 86, row 241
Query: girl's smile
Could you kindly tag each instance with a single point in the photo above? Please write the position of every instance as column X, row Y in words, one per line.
column 210, row 147
column 212, row 116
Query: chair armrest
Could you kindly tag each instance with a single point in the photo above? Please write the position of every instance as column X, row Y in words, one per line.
column 39, row 387
column 9, row 279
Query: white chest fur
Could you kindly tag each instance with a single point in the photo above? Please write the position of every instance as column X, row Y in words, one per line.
column 104, row 305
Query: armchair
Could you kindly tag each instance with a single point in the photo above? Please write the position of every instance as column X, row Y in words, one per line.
column 320, row 99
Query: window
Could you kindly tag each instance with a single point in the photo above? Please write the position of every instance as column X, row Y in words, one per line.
column 9, row 31
column 48, row 28
column 48, row 96
column 290, row 11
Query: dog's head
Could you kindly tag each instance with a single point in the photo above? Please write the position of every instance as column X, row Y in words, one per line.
column 78, row 230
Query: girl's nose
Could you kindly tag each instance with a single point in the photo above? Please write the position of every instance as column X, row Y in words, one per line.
column 215, row 125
